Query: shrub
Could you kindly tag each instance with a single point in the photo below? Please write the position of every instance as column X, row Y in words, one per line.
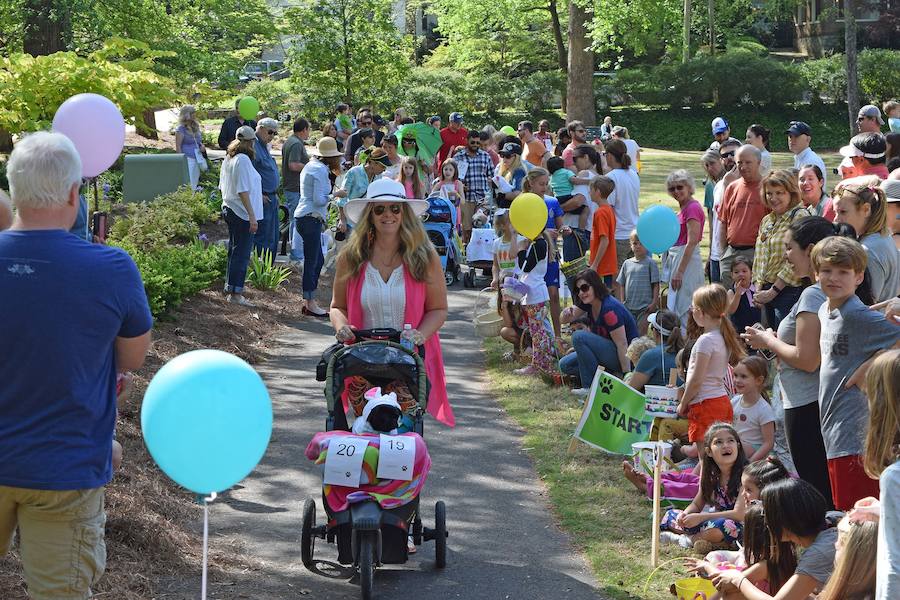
column 172, row 273
column 539, row 90
column 272, row 96
column 264, row 274
column 169, row 219
column 825, row 77
column 879, row 76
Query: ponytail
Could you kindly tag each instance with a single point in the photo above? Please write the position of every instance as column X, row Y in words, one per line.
column 712, row 299
column 617, row 148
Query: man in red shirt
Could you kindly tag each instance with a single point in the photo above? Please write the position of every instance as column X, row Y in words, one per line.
column 452, row 135
column 742, row 211
column 579, row 136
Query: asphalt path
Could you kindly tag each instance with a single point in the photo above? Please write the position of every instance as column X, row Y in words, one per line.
column 504, row 542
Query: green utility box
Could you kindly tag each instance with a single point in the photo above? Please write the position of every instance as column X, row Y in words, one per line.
column 147, row 176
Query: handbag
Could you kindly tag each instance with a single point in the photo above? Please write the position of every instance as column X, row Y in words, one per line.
column 576, row 266
column 201, row 160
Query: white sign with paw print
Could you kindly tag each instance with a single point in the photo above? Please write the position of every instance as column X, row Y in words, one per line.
column 396, row 457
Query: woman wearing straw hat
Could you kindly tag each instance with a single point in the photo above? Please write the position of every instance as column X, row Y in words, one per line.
column 311, row 214
column 389, row 275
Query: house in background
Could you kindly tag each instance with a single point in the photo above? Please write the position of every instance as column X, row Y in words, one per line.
column 819, row 24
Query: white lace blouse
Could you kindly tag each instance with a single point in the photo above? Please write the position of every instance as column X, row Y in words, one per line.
column 383, row 303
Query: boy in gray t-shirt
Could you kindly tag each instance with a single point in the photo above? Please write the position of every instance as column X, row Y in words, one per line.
column 638, row 281
column 851, row 335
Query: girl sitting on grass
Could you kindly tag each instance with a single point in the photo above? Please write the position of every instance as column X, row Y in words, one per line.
column 708, row 517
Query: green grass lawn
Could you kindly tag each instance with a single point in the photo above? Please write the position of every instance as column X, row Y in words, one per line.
column 608, row 520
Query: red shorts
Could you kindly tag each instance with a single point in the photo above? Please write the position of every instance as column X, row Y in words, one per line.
column 849, row 481
column 705, row 413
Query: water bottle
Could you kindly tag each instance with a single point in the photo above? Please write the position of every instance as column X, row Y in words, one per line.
column 406, row 338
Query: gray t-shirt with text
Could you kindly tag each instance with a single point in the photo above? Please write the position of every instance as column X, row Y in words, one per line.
column 850, row 336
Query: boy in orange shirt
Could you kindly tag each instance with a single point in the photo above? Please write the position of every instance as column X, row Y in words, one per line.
column 603, row 232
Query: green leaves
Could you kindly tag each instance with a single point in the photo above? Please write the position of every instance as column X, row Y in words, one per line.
column 264, row 274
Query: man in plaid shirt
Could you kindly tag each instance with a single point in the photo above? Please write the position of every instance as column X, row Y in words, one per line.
column 477, row 182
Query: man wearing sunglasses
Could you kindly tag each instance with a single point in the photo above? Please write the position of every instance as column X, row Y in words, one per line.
column 266, row 237
column 453, row 136
column 729, row 174
column 578, row 132
column 365, row 121
column 477, row 181
column 869, row 119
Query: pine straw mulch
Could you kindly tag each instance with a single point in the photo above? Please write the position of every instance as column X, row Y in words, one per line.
column 152, row 532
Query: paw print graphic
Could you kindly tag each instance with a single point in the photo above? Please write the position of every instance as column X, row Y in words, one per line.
column 347, row 474
column 606, row 386
column 404, row 468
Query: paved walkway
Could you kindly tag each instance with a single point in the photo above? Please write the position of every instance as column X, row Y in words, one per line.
column 503, row 540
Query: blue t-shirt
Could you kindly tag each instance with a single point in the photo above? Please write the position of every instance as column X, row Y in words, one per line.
column 651, row 364
column 64, row 301
column 613, row 315
column 553, row 210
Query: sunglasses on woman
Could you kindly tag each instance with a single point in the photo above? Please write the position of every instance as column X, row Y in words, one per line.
column 380, row 208
column 584, row 287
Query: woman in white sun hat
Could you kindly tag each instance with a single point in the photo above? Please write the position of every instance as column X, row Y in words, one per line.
column 316, row 183
column 388, row 275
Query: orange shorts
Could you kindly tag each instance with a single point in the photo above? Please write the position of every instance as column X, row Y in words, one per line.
column 705, row 413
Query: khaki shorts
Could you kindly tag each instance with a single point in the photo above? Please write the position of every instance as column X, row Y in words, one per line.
column 623, row 253
column 60, row 539
column 468, row 210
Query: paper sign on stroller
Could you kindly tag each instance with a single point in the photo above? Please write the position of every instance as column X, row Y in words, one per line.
column 396, row 457
column 343, row 464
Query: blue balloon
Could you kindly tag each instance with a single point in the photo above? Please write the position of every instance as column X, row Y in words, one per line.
column 658, row 228
column 206, row 419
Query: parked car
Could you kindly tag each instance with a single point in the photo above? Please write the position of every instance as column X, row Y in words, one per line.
column 258, row 69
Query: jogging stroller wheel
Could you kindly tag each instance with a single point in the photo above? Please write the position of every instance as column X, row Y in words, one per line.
column 440, row 534
column 307, row 539
column 448, row 278
column 367, row 565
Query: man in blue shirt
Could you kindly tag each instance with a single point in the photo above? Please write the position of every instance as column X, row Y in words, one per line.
column 266, row 237
column 73, row 315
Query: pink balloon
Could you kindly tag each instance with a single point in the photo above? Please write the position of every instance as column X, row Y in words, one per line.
column 96, row 127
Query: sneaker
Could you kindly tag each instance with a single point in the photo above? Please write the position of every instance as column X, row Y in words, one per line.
column 581, row 392
column 239, row 299
column 669, row 537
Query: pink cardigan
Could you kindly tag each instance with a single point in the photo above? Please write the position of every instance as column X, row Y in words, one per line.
column 438, row 404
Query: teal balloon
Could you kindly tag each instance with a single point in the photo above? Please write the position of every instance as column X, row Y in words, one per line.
column 658, row 228
column 207, row 420
column 248, row 107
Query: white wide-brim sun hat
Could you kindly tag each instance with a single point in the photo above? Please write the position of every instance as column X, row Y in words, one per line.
column 380, row 191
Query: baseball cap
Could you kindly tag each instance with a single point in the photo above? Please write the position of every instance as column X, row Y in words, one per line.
column 509, row 149
column 719, row 125
column 268, row 123
column 798, row 128
column 870, row 110
column 432, row 119
column 867, row 145
column 891, row 189
column 456, row 117
column 245, row 132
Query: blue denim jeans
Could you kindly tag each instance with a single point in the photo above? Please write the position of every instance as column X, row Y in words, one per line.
column 591, row 350
column 266, row 237
column 310, row 229
column 779, row 307
column 291, row 200
column 715, row 273
column 240, row 242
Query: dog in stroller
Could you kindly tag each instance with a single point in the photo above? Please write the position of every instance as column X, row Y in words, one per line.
column 385, row 387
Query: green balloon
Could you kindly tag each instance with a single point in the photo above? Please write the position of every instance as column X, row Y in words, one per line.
column 248, row 107
column 508, row 130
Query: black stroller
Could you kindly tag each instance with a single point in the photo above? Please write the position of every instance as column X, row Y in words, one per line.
column 366, row 534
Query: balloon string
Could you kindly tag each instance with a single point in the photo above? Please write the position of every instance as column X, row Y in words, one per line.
column 206, row 502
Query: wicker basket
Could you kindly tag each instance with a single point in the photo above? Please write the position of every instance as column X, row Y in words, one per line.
column 485, row 317
column 574, row 267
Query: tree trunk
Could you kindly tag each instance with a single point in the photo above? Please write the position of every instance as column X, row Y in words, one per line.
column 580, row 76
column 561, row 53
column 346, row 45
column 712, row 27
column 686, row 42
column 47, row 26
column 851, row 56
column 149, row 119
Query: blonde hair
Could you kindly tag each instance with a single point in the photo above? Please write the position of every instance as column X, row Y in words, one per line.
column 507, row 172
column 603, row 185
column 187, row 116
column 416, row 249
column 712, row 299
column 782, row 178
column 241, row 147
column 865, row 190
column 535, row 173
column 853, row 577
column 502, row 226
column 840, row 252
column 416, row 180
column 638, row 346
column 883, row 390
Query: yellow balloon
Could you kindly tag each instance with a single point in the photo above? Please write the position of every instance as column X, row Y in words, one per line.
column 528, row 214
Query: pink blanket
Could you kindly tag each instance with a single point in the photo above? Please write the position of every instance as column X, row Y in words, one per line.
column 389, row 493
